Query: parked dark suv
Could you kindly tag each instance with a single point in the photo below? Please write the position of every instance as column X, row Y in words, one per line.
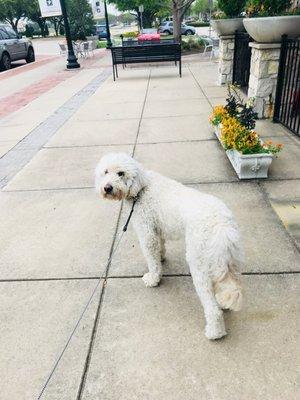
column 13, row 48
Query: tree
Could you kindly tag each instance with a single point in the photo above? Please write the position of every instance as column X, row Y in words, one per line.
column 126, row 18
column 34, row 14
column 179, row 8
column 151, row 9
column 56, row 22
column 200, row 6
column 232, row 8
column 12, row 11
column 80, row 18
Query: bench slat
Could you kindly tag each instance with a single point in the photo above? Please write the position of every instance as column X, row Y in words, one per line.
column 161, row 52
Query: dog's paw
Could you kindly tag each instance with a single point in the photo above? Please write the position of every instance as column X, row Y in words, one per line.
column 151, row 279
column 215, row 331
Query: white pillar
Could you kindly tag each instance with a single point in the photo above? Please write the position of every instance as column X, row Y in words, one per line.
column 263, row 76
column 226, row 59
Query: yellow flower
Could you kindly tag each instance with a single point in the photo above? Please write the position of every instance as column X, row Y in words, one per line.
column 219, row 112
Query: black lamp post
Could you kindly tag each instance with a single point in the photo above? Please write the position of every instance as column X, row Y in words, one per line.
column 72, row 59
column 108, row 39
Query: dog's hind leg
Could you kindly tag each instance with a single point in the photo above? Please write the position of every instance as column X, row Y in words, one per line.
column 215, row 327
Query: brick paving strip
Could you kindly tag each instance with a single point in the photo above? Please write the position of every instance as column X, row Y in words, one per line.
column 20, row 99
column 41, row 60
column 13, row 161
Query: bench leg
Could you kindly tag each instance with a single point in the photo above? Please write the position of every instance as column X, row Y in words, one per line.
column 117, row 71
column 180, row 69
column 114, row 72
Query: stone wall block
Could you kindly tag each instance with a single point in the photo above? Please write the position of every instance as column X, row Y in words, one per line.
column 272, row 54
column 226, row 54
column 263, row 77
column 273, row 67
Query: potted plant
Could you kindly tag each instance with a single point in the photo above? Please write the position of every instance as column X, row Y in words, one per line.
column 234, row 126
column 229, row 19
column 268, row 20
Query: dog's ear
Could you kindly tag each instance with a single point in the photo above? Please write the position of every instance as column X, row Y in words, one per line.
column 139, row 181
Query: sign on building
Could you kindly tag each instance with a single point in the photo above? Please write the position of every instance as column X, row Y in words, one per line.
column 98, row 8
column 50, row 8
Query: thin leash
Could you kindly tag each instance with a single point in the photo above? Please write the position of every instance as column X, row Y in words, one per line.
column 88, row 303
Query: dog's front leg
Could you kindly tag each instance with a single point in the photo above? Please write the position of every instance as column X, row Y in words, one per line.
column 150, row 244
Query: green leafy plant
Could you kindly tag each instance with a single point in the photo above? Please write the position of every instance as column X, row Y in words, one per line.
column 131, row 35
column 192, row 43
column 267, row 8
column 232, row 8
column 198, row 24
column 237, row 122
column 236, row 107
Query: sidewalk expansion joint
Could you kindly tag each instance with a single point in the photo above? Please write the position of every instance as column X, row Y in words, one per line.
column 198, row 84
column 97, row 317
column 93, row 278
column 130, row 144
column 22, row 153
column 245, row 181
column 142, row 114
column 291, row 239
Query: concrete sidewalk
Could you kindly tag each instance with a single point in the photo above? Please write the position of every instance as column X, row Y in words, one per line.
column 56, row 237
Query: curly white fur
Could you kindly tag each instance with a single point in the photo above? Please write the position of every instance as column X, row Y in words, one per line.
column 166, row 209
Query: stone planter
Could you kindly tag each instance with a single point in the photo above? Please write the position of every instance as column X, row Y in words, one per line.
column 225, row 27
column 270, row 29
column 247, row 166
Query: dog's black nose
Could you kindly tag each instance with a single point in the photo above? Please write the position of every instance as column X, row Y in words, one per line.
column 108, row 188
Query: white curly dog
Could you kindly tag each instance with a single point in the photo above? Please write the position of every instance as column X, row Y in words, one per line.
column 166, row 209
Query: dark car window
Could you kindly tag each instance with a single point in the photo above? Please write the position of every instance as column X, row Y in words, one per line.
column 4, row 33
column 11, row 33
column 1, row 37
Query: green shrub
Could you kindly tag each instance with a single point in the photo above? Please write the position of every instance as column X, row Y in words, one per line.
column 198, row 24
column 33, row 29
column 130, row 34
column 192, row 43
column 232, row 8
column 101, row 44
column 266, row 8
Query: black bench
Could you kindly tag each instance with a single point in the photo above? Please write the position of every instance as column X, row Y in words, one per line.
column 144, row 53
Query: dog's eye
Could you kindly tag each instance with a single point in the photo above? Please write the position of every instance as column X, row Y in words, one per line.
column 121, row 173
column 105, row 172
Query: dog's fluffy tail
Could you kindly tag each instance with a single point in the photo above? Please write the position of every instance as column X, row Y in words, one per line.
column 227, row 255
column 228, row 290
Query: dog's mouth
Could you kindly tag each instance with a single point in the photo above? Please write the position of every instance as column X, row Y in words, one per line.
column 115, row 195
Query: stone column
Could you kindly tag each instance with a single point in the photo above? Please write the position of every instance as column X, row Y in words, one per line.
column 226, row 59
column 263, row 76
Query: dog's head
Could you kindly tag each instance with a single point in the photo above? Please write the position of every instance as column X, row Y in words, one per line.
column 118, row 176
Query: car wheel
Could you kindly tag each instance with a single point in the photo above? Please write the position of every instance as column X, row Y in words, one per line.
column 30, row 55
column 189, row 32
column 167, row 32
column 5, row 62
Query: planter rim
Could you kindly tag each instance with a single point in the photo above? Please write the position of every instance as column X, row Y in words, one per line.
column 255, row 155
column 226, row 19
column 274, row 16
